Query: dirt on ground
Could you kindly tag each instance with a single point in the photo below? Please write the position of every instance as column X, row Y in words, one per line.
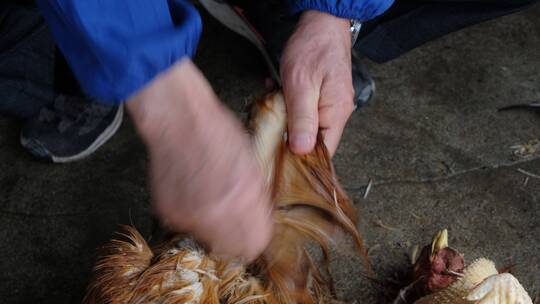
column 437, row 152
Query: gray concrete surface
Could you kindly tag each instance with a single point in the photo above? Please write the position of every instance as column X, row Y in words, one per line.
column 433, row 144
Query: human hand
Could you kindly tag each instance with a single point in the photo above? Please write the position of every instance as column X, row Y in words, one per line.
column 204, row 176
column 317, row 81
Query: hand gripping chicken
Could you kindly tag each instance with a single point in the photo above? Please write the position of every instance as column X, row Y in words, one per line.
column 308, row 205
column 441, row 278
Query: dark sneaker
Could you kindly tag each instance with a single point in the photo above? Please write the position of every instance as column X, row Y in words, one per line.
column 268, row 25
column 70, row 129
column 363, row 83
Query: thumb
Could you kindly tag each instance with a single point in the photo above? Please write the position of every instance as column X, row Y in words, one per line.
column 302, row 117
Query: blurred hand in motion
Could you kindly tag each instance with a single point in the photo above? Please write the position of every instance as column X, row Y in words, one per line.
column 317, row 80
column 204, row 177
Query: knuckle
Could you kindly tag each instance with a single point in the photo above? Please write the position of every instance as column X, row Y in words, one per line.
column 348, row 93
column 303, row 120
column 299, row 71
column 345, row 103
column 295, row 74
column 348, row 108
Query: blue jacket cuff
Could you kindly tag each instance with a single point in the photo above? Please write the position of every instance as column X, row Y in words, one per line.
column 115, row 47
column 362, row 10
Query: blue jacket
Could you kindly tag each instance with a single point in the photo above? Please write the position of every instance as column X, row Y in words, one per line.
column 115, row 47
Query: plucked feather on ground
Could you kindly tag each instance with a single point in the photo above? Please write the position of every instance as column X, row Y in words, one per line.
column 309, row 206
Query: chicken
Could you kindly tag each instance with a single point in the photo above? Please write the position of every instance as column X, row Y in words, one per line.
column 438, row 265
column 440, row 277
column 308, row 205
column 481, row 283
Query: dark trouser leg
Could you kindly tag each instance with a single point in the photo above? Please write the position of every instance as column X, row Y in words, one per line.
column 409, row 24
column 26, row 61
column 32, row 70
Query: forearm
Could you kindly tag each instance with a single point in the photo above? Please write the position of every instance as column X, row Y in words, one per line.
column 170, row 102
column 190, row 135
column 320, row 22
column 204, row 176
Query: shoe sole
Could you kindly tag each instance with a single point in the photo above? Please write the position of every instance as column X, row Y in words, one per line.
column 34, row 146
column 229, row 17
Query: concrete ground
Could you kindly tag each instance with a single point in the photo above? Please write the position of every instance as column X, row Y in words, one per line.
column 433, row 144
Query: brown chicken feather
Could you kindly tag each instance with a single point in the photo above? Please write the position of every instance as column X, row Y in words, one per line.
column 309, row 205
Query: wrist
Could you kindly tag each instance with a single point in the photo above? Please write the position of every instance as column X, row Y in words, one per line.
column 328, row 23
column 169, row 106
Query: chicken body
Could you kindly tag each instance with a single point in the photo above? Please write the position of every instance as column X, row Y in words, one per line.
column 440, row 277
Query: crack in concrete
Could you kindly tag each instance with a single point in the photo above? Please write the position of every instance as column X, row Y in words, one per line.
column 445, row 177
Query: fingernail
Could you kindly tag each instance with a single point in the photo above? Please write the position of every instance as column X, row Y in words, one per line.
column 301, row 141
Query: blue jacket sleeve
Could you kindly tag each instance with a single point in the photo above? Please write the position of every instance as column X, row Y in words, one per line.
column 362, row 10
column 115, row 47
